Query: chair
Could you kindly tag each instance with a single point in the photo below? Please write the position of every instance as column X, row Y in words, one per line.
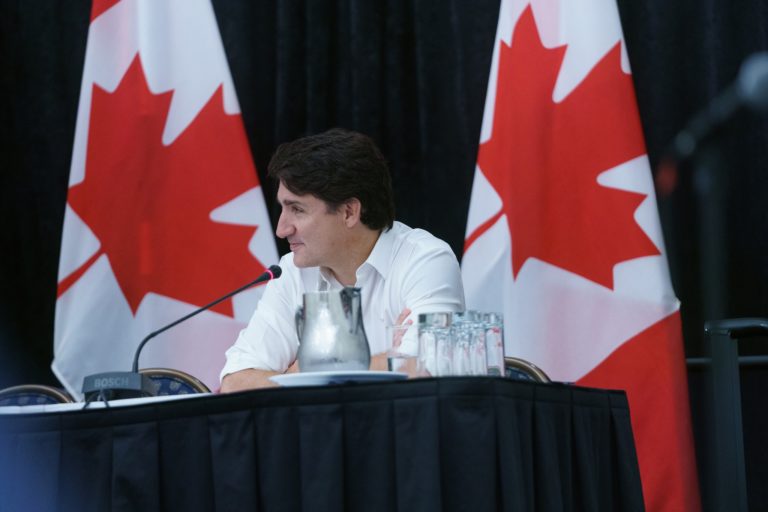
column 520, row 369
column 174, row 382
column 727, row 443
column 33, row 394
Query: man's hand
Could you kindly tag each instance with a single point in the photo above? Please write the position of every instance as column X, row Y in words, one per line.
column 379, row 361
column 252, row 379
column 398, row 338
column 403, row 315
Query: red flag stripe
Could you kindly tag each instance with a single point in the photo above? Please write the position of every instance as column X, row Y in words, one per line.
column 650, row 368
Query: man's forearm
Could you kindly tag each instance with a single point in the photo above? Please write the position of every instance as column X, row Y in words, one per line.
column 247, row 379
column 254, row 379
column 379, row 362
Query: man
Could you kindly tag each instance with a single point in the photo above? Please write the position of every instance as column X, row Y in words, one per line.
column 338, row 217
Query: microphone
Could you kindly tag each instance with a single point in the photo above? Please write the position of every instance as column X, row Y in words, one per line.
column 112, row 385
column 749, row 90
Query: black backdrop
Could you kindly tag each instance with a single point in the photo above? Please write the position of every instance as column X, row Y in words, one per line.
column 410, row 73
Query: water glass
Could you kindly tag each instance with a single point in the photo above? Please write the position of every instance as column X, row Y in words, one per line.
column 494, row 342
column 468, row 336
column 478, row 347
column 464, row 343
column 461, row 339
column 435, row 343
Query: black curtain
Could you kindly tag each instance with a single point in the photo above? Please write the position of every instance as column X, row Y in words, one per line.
column 42, row 50
column 410, row 73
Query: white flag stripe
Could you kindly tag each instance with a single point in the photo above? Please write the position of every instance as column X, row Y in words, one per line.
column 590, row 30
column 91, row 314
column 78, row 244
column 481, row 211
column 635, row 176
column 568, row 324
column 485, row 265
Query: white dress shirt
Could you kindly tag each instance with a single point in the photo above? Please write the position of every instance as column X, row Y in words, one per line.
column 407, row 268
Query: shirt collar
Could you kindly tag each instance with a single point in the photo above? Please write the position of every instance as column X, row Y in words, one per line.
column 326, row 281
column 381, row 255
column 380, row 260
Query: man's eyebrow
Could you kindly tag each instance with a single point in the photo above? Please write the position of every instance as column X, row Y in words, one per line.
column 290, row 202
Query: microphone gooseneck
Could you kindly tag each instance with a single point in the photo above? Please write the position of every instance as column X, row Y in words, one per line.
column 122, row 384
column 272, row 272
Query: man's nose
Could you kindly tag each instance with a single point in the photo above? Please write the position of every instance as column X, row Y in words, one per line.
column 284, row 228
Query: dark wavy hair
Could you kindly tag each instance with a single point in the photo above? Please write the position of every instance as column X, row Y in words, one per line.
column 336, row 166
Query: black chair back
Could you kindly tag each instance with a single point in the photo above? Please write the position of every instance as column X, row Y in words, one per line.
column 520, row 369
column 168, row 381
column 33, row 394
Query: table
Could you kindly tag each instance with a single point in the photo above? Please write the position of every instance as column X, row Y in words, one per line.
column 459, row 443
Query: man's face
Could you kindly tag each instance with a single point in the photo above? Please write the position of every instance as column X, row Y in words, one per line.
column 316, row 236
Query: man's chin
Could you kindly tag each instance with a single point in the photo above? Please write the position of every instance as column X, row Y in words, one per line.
column 301, row 262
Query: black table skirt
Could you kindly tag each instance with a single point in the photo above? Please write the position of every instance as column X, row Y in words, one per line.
column 471, row 444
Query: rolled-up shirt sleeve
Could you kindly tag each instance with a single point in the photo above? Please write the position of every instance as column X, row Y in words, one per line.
column 269, row 341
column 429, row 280
column 433, row 282
column 429, row 275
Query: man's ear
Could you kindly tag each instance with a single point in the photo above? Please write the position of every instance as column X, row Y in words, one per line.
column 352, row 209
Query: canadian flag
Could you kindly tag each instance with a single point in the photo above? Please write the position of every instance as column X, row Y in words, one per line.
column 563, row 231
column 164, row 210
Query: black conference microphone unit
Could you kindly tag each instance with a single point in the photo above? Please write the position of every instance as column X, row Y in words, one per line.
column 115, row 385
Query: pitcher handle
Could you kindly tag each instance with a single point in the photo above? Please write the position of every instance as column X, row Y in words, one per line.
column 299, row 320
column 353, row 306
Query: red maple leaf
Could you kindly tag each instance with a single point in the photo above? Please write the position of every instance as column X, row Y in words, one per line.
column 544, row 158
column 149, row 204
column 98, row 7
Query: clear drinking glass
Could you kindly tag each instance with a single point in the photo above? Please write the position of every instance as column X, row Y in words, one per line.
column 435, row 345
column 461, row 339
column 469, row 350
column 494, row 343
column 478, row 351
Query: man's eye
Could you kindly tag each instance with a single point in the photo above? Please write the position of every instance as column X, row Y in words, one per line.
column 296, row 209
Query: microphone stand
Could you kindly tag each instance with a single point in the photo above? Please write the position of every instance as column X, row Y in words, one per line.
column 187, row 317
column 697, row 143
column 120, row 384
column 727, row 475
